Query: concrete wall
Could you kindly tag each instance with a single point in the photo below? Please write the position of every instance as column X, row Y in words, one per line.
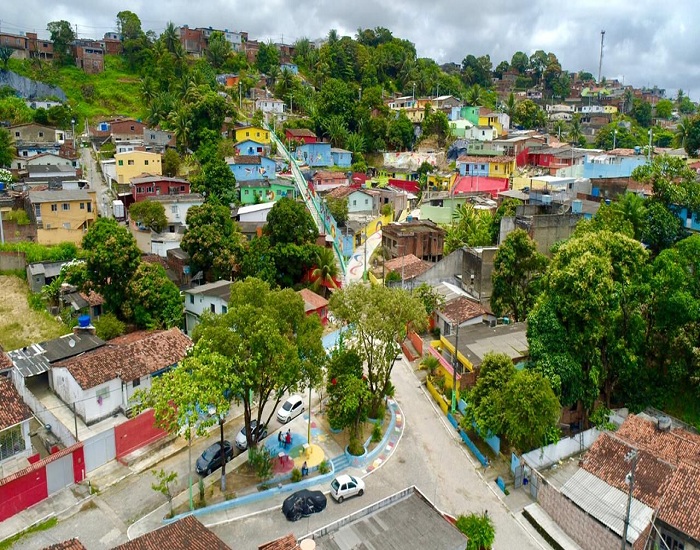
column 476, row 273
column 15, row 233
column 444, row 270
column 93, row 404
column 12, row 261
column 586, row 531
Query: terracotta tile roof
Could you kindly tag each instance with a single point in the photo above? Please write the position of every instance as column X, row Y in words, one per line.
column 462, row 309
column 185, row 534
column 287, row 542
column 93, row 298
column 673, row 446
column 680, row 507
column 72, row 544
column 410, row 264
column 340, row 192
column 312, row 301
column 13, row 409
column 5, row 361
column 326, row 175
column 128, row 357
column 606, row 461
column 300, row 132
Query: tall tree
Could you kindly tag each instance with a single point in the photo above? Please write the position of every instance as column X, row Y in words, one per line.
column 271, row 346
column 267, row 58
column 325, row 272
column 112, row 259
column 290, row 222
column 7, row 148
column 218, row 49
column 377, row 317
column 517, row 269
column 153, row 301
column 62, row 36
column 149, row 213
column 212, row 240
column 520, row 62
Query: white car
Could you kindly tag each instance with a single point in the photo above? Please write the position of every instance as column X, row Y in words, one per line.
column 345, row 486
column 291, row 408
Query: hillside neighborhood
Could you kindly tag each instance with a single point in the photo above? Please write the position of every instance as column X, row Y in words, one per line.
column 241, row 277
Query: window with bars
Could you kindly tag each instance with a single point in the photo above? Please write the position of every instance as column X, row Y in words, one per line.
column 11, row 442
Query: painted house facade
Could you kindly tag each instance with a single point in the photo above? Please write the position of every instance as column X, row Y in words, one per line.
column 492, row 167
column 300, row 135
column 341, row 157
column 151, row 186
column 211, row 297
column 257, row 191
column 249, row 147
column 251, row 167
column 242, row 133
column 314, row 304
column 103, row 381
column 135, row 163
column 314, row 154
column 176, row 208
column 63, row 215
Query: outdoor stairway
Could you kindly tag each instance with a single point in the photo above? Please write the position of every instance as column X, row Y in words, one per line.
column 340, row 463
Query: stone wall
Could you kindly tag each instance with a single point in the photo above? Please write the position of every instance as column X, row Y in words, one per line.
column 586, row 531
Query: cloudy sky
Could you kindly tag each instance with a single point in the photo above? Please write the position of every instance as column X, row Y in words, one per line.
column 647, row 43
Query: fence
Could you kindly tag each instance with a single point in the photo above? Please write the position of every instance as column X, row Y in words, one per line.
column 136, row 433
column 492, row 441
column 544, row 457
column 417, row 342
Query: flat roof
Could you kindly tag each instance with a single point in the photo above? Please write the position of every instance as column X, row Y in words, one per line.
column 476, row 341
column 404, row 521
column 62, row 195
column 218, row 289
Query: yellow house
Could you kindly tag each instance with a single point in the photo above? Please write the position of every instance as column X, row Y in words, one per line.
column 489, row 118
column 63, row 216
column 243, row 133
column 501, row 167
column 609, row 109
column 134, row 163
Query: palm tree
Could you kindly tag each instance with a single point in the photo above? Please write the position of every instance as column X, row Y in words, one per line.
column 633, row 209
column 575, row 130
column 475, row 95
column 559, row 128
column 181, row 123
column 325, row 273
column 510, row 106
column 355, row 143
column 170, row 38
column 336, row 129
column 682, row 131
column 628, row 99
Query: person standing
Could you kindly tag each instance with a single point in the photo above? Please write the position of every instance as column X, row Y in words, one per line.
column 280, row 443
column 288, row 439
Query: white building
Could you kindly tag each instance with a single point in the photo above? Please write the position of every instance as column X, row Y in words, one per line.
column 176, row 207
column 212, row 297
column 270, row 105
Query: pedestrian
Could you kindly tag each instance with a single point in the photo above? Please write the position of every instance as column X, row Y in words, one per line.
column 288, row 439
column 304, row 469
column 279, row 439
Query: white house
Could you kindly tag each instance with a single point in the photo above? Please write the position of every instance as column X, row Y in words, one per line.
column 270, row 105
column 102, row 382
column 176, row 207
column 254, row 212
column 481, row 133
column 14, row 422
column 212, row 297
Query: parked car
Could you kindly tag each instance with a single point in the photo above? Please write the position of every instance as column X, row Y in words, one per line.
column 345, row 486
column 291, row 408
column 258, row 433
column 303, row 503
column 212, row 458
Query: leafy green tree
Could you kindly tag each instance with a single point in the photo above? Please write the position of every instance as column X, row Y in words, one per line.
column 290, row 222
column 216, row 181
column 471, row 228
column 520, row 62
column 163, row 485
column 5, row 55
column 338, row 209
column 62, row 36
column 664, row 109
column 475, row 95
column 478, row 528
column 108, row 326
column 662, row 228
column 171, row 163
column 152, row 300
column 377, row 318
column 436, row 124
column 7, row 148
column 692, row 137
column 268, row 57
column 112, row 259
column 325, row 272
column 255, row 260
column 485, row 407
column 477, row 70
column 673, row 183
column 528, row 114
column 432, row 300
column 336, row 130
column 212, row 240
column 271, row 347
column 517, row 269
column 506, row 209
column 538, row 64
column 531, row 410
column 149, row 213
column 586, row 332
column 641, row 112
column 218, row 49
column 135, row 43
column 400, row 132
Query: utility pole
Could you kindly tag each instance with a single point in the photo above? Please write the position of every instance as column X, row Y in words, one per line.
column 629, row 457
column 600, row 63
column 455, row 361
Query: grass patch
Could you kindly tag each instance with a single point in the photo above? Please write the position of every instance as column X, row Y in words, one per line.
column 19, row 324
column 41, row 526
column 685, row 406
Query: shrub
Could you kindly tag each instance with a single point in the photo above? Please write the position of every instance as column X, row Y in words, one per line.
column 479, row 530
column 261, row 461
column 430, row 363
column 324, row 467
column 355, row 447
column 18, row 216
column 36, row 302
column 108, row 327
column 377, row 432
column 296, row 475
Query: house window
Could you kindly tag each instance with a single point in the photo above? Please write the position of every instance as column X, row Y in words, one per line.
column 671, row 542
column 66, row 225
column 354, row 203
column 89, row 207
column 11, row 442
column 130, row 162
column 121, row 163
column 224, row 309
column 145, row 162
column 191, row 298
column 136, row 383
column 212, row 307
column 173, row 209
column 41, row 134
column 66, row 206
column 495, row 167
column 246, row 191
column 37, row 210
column 82, row 206
column 132, row 128
column 182, row 188
column 54, row 208
column 17, row 134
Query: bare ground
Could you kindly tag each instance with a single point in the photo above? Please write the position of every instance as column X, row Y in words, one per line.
column 19, row 324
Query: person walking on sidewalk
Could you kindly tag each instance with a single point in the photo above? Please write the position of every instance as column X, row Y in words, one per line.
column 280, row 443
column 288, row 439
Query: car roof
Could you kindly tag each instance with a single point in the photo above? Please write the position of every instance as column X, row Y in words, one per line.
column 294, row 398
column 343, row 478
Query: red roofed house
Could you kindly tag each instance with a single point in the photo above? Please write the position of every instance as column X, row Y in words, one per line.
column 326, row 180
column 665, row 507
column 408, row 267
column 184, row 534
column 147, row 185
column 14, row 422
column 102, row 381
column 313, row 303
column 300, row 135
column 72, row 544
column 460, row 311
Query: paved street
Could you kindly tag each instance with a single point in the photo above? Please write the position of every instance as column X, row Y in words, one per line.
column 92, row 174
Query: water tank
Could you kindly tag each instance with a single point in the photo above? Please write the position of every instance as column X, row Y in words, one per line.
column 637, row 150
column 664, row 423
column 547, row 199
column 2, row 185
column 576, row 206
column 84, row 321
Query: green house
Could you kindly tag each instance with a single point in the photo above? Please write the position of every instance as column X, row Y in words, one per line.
column 258, row 191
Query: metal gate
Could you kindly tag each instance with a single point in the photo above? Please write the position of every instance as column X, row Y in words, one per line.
column 518, row 474
column 99, row 449
column 59, row 473
column 534, row 484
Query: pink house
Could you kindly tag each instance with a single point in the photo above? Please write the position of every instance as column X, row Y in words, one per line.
column 313, row 303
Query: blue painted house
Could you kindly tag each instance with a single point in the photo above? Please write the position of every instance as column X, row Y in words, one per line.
column 689, row 219
column 341, row 157
column 252, row 167
column 251, row 147
column 473, row 166
column 315, row 154
column 607, row 165
column 291, row 67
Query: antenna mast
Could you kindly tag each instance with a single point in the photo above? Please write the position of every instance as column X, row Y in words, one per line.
column 600, row 63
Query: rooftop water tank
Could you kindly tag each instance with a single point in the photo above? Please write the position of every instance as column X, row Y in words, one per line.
column 576, row 206
column 84, row 321
column 547, row 199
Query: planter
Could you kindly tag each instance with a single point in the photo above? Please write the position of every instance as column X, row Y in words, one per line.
column 356, row 460
column 334, row 431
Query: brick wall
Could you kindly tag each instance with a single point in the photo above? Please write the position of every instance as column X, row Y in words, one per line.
column 586, row 531
column 15, row 233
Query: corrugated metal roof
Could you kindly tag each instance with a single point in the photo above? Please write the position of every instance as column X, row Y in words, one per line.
column 607, row 504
